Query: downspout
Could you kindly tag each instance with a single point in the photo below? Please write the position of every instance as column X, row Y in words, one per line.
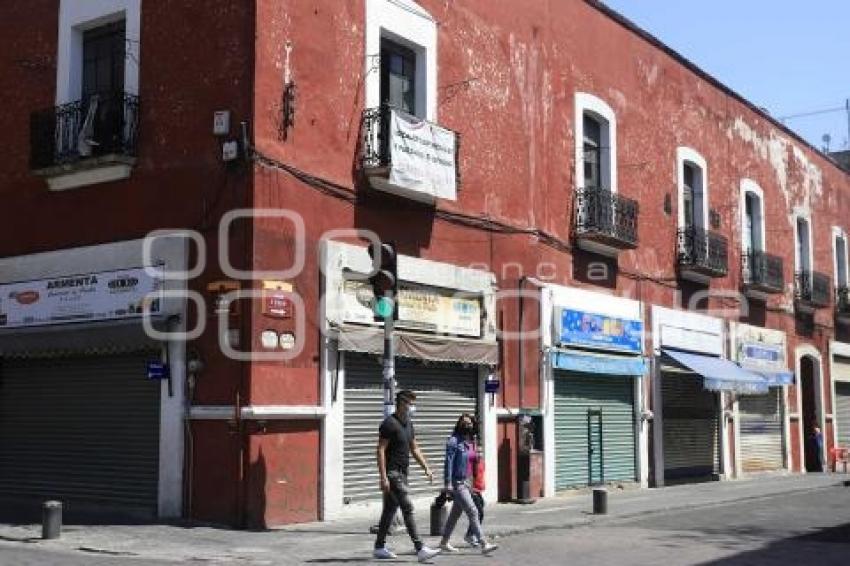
column 539, row 284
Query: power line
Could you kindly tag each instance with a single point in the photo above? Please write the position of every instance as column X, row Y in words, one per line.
column 813, row 113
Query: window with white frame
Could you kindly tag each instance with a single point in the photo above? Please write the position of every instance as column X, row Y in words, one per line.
column 803, row 251
column 692, row 173
column 596, row 143
column 401, row 57
column 98, row 48
column 752, row 217
column 840, row 250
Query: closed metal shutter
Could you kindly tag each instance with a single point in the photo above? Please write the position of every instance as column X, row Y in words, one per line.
column 80, row 429
column 691, row 427
column 842, row 413
column 761, row 431
column 443, row 392
column 593, row 411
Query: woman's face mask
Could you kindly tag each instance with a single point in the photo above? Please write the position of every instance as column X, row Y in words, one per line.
column 411, row 410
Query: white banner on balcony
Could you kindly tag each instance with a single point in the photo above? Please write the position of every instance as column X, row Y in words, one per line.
column 422, row 156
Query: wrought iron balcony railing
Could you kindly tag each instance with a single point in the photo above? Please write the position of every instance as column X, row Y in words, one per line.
column 427, row 154
column 812, row 288
column 102, row 124
column 762, row 271
column 606, row 218
column 842, row 302
column 703, row 252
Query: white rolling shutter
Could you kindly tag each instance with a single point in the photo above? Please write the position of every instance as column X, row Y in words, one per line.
column 761, row 431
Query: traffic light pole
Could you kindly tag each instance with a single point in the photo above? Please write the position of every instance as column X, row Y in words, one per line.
column 389, row 366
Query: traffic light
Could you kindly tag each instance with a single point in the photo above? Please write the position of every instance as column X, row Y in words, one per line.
column 384, row 280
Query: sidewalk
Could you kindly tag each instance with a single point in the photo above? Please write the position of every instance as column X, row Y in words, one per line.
column 349, row 539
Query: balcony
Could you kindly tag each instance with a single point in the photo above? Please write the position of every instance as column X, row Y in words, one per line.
column 605, row 222
column 410, row 157
column 811, row 290
column 85, row 142
column 762, row 273
column 842, row 303
column 702, row 254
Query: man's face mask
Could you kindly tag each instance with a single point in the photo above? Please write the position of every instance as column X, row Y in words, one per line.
column 411, row 410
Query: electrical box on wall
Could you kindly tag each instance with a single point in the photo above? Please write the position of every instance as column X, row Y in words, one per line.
column 221, row 123
column 229, row 150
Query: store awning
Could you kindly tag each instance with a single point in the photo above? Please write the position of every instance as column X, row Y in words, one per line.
column 419, row 346
column 586, row 362
column 776, row 378
column 719, row 374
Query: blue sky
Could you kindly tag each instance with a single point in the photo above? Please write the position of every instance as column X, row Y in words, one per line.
column 788, row 56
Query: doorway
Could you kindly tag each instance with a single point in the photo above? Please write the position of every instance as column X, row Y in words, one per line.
column 808, row 381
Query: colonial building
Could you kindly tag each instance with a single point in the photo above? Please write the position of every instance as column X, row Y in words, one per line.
column 630, row 273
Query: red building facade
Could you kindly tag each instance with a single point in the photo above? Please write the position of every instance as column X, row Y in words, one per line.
column 589, row 156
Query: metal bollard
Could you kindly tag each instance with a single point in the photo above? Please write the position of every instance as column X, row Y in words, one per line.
column 51, row 519
column 600, row 501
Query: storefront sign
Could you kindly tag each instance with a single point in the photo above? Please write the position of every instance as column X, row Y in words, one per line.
column 419, row 308
column 761, row 355
column 422, row 156
column 89, row 297
column 580, row 328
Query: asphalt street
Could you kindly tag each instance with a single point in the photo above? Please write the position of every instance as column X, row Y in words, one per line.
column 810, row 527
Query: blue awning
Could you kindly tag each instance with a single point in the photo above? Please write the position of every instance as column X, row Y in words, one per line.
column 592, row 363
column 720, row 374
column 777, row 378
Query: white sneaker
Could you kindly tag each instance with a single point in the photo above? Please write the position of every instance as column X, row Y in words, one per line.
column 447, row 547
column 384, row 553
column 426, row 554
column 488, row 547
column 471, row 540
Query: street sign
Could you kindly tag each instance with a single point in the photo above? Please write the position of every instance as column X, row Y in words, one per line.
column 157, row 370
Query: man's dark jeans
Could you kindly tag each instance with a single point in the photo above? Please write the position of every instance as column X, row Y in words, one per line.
column 397, row 496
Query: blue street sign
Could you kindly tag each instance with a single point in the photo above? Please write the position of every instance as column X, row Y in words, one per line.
column 157, row 370
column 492, row 386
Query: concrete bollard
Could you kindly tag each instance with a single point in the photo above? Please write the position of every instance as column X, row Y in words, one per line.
column 51, row 519
column 600, row 501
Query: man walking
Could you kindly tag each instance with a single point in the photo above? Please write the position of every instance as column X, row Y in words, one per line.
column 396, row 442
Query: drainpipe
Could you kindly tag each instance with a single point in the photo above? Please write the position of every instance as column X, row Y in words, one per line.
column 539, row 284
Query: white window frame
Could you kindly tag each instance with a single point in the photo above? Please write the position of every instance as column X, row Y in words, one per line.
column 748, row 186
column 837, row 233
column 598, row 109
column 684, row 155
column 804, row 215
column 408, row 24
column 78, row 16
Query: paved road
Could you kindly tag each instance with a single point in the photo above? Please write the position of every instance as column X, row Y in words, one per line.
column 800, row 528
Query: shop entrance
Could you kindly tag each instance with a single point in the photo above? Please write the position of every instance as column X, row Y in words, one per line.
column 810, row 414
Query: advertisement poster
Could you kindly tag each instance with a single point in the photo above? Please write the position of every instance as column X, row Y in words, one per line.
column 580, row 328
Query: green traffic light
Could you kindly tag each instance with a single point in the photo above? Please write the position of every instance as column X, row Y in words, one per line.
column 383, row 307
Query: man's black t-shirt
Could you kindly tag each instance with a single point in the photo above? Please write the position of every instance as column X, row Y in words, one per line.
column 400, row 436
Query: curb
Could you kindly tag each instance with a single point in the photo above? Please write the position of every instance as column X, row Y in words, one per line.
column 610, row 519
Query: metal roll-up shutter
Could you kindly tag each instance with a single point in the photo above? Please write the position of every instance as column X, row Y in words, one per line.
column 761, row 431
column 443, row 392
column 80, row 429
column 593, row 412
column 691, row 427
column 842, row 412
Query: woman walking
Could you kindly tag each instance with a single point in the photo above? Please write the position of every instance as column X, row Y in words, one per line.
column 459, row 449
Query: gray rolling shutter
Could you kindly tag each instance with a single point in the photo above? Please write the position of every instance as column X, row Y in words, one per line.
column 691, row 427
column 443, row 391
column 613, row 398
column 842, row 412
column 761, row 431
column 80, row 429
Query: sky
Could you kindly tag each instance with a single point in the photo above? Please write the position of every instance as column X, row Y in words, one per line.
column 788, row 56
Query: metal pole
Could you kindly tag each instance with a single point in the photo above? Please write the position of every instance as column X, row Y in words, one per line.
column 389, row 367
column 51, row 519
column 847, row 106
